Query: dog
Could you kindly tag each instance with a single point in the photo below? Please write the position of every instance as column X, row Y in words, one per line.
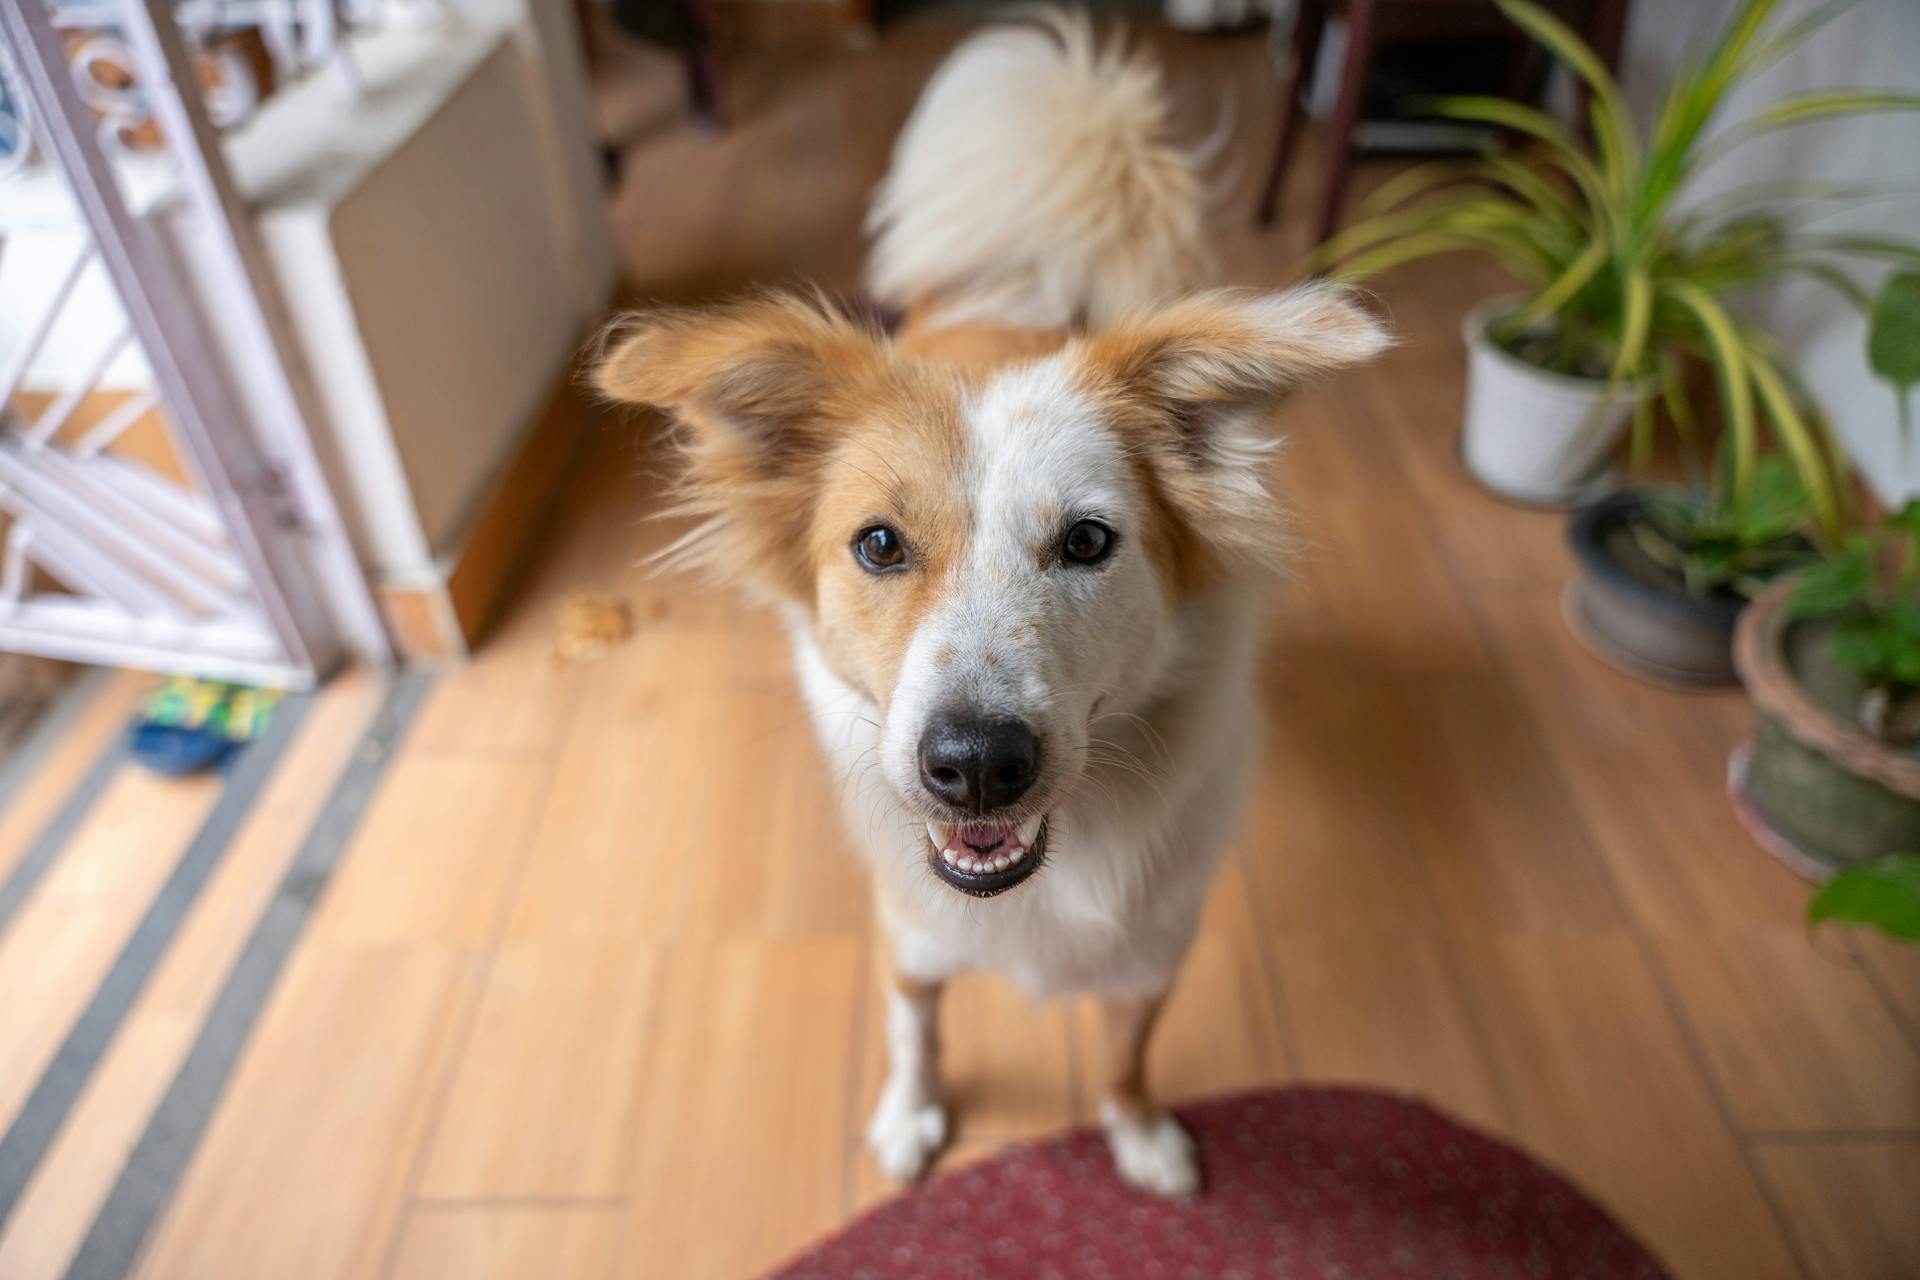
column 1023, row 546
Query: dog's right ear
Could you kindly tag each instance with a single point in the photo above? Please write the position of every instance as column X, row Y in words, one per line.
column 760, row 389
column 764, row 373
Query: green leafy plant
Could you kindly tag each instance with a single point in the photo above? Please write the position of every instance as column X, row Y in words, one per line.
column 1715, row 545
column 1623, row 285
column 1883, row 894
column 1870, row 586
column 1893, row 338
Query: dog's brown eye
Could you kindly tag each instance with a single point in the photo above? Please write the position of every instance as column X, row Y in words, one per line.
column 880, row 549
column 1088, row 542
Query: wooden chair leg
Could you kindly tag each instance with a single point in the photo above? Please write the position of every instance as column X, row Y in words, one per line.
column 1346, row 113
column 1304, row 49
column 705, row 92
column 1521, row 72
column 1606, row 29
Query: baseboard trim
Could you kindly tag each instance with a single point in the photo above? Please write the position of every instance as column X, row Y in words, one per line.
column 445, row 619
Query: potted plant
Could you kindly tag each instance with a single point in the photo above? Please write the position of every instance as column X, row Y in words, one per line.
column 1665, row 572
column 1624, row 286
column 1831, row 661
column 1883, row 894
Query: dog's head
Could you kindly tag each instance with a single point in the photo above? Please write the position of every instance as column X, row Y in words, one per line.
column 993, row 558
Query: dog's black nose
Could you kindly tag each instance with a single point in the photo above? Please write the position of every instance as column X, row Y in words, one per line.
column 975, row 763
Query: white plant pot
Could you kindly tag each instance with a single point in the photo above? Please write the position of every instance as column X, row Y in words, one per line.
column 1531, row 435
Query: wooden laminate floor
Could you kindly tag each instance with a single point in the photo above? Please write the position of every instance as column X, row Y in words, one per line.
column 591, row 990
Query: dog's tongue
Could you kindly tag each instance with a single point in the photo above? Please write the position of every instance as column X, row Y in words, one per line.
column 979, row 840
column 983, row 848
column 984, row 839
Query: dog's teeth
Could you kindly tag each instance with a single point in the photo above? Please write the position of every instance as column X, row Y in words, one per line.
column 966, row 862
column 1030, row 831
column 1002, row 862
column 940, row 833
column 1015, row 854
column 953, row 859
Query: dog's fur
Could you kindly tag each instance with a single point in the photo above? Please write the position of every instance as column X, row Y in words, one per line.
column 1046, row 239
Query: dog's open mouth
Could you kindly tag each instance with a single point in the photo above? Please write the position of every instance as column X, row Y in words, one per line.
column 986, row 858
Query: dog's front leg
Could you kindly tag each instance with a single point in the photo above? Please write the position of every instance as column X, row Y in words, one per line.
column 909, row 1126
column 1150, row 1149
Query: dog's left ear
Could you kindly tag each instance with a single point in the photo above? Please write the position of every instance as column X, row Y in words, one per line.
column 1194, row 389
column 1221, row 362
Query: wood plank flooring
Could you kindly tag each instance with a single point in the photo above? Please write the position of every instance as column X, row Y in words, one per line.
column 594, row 991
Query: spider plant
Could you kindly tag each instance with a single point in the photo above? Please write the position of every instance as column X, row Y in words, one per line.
column 1623, row 283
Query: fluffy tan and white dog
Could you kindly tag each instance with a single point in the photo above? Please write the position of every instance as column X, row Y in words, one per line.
column 1023, row 546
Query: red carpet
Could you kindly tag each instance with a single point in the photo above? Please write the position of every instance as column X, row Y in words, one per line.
column 1305, row 1184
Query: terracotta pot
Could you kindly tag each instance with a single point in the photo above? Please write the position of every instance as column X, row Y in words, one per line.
column 1632, row 621
column 1813, row 786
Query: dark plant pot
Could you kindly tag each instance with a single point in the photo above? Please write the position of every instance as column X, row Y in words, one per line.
column 1813, row 786
column 1626, row 612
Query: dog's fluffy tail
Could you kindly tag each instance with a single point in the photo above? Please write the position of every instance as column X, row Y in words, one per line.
column 1036, row 185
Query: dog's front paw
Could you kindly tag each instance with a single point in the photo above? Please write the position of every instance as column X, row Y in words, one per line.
column 1154, row 1154
column 905, row 1133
